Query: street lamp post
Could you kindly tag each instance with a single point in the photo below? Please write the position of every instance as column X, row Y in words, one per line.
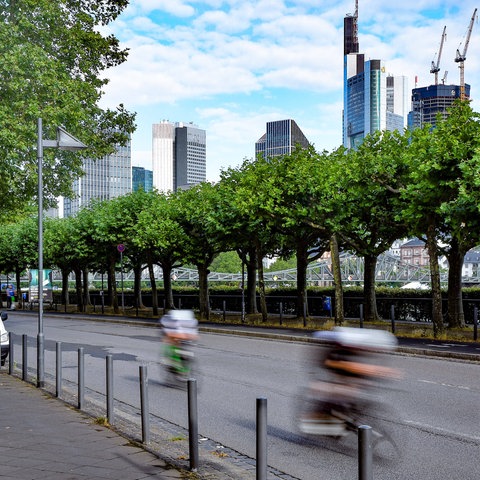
column 64, row 141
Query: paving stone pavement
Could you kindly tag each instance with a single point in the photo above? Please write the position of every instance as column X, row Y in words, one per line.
column 43, row 437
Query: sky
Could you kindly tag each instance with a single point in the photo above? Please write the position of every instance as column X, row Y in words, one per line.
column 231, row 66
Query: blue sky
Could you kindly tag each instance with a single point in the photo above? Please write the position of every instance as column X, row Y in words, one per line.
column 230, row 66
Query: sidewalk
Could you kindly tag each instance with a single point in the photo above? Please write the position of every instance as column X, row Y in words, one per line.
column 43, row 438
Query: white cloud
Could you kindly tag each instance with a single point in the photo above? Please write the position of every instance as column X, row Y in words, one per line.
column 233, row 65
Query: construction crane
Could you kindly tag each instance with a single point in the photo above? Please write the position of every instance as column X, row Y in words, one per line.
column 461, row 57
column 436, row 66
column 444, row 78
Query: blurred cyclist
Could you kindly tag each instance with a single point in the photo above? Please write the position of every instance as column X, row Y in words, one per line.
column 180, row 328
column 349, row 369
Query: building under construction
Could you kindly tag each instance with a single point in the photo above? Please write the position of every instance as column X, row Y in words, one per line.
column 429, row 102
column 432, row 102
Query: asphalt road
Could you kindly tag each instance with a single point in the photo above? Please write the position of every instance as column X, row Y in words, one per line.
column 433, row 410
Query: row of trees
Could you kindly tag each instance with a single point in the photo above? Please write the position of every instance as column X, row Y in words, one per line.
column 423, row 183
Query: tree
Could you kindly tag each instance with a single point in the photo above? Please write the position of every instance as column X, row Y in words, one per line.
column 443, row 191
column 196, row 211
column 289, row 188
column 19, row 248
column 366, row 207
column 54, row 60
column 162, row 239
column 246, row 228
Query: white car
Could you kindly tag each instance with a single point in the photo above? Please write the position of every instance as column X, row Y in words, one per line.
column 4, row 340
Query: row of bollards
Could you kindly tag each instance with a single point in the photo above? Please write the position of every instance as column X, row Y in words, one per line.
column 365, row 454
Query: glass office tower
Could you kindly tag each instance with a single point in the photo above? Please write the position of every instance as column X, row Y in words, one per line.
column 103, row 179
column 178, row 155
column 281, row 138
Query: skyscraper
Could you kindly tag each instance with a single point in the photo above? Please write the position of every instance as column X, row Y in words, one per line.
column 372, row 100
column 103, row 179
column 142, row 179
column 178, row 155
column 428, row 102
column 281, row 138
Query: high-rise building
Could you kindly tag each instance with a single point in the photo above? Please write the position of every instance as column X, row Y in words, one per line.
column 429, row 102
column 178, row 155
column 103, row 179
column 372, row 100
column 142, row 179
column 281, row 138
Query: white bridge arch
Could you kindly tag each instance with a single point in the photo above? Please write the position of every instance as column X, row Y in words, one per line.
column 389, row 270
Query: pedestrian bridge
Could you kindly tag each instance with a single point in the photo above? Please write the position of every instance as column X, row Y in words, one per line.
column 389, row 271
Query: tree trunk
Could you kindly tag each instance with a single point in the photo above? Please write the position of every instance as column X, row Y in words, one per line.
column 369, row 297
column 337, row 279
column 302, row 264
column 203, row 291
column 167, row 285
column 86, row 291
column 153, row 285
column 251, row 298
column 19, row 295
column 78, row 288
column 113, row 284
column 65, row 293
column 137, row 285
column 261, row 285
column 456, row 315
column 437, row 314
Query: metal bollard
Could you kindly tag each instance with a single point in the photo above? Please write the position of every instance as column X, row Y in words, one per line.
column 224, row 310
column 392, row 316
column 81, row 378
column 281, row 313
column 58, row 383
column 193, row 424
column 261, row 439
column 10, row 355
column 144, row 404
column 361, row 315
column 109, row 377
column 24, row 358
column 365, row 453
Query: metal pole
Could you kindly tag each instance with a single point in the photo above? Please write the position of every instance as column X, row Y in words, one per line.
column 261, row 439
column 224, row 310
column 281, row 313
column 81, row 378
column 144, row 404
column 121, row 275
column 109, row 376
column 392, row 315
column 24, row 358
column 40, row 337
column 58, row 390
column 365, row 455
column 243, row 292
column 10, row 355
column 193, row 424
column 361, row 315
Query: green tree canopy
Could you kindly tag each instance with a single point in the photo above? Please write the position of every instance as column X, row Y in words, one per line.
column 53, row 67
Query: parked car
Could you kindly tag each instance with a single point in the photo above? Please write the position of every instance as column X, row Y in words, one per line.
column 4, row 340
